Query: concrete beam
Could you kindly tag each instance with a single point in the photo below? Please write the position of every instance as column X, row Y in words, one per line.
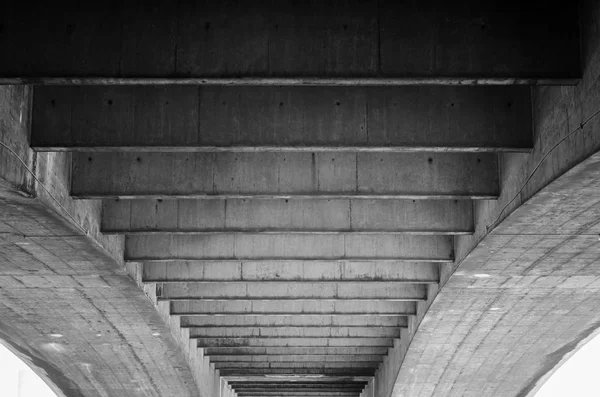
column 311, row 380
column 226, row 247
column 294, row 332
column 259, row 353
column 300, row 393
column 295, row 366
column 209, row 119
column 284, row 175
column 346, row 38
column 297, row 371
column 292, row 387
column 276, row 290
column 301, row 271
column 307, row 383
column 292, row 321
column 295, row 342
column 297, row 307
column 287, row 215
column 295, row 358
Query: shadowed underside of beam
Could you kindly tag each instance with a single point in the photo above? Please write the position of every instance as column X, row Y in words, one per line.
column 278, row 175
column 284, row 215
column 430, row 38
column 261, row 119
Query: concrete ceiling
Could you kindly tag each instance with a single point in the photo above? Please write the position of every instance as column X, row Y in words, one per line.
column 293, row 236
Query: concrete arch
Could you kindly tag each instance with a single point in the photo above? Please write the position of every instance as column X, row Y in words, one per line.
column 524, row 298
column 521, row 295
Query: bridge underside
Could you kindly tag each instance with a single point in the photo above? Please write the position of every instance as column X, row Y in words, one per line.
column 291, row 185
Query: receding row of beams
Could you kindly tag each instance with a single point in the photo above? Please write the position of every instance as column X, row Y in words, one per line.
column 188, row 118
column 385, row 290
column 289, row 270
column 287, row 215
column 260, row 247
column 285, row 175
column 296, row 307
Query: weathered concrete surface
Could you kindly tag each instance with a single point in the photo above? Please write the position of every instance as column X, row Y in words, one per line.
column 502, row 39
column 293, row 247
column 287, row 215
column 189, row 118
column 284, row 175
column 521, row 300
column 57, row 280
column 75, row 315
column 505, row 354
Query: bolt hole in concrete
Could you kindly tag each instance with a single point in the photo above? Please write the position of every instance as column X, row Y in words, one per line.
column 576, row 374
column 17, row 379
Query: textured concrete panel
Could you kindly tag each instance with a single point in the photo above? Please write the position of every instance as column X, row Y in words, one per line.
column 273, row 175
column 282, row 215
column 299, row 307
column 214, row 118
column 293, row 247
column 282, row 38
column 163, row 271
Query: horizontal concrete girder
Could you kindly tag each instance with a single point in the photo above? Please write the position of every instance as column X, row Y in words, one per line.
column 310, row 380
column 287, row 215
column 299, row 365
column 227, row 372
column 189, row 118
column 299, row 392
column 284, row 175
column 260, row 353
column 297, row 307
column 292, row 386
column 198, row 41
column 295, row 342
column 296, row 358
column 173, row 271
column 292, row 321
column 292, row 247
column 277, row 290
column 295, row 332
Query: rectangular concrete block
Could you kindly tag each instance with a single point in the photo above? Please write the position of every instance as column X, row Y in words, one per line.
column 283, row 270
column 342, row 38
column 292, row 321
column 333, row 119
column 264, row 353
column 287, row 215
column 276, row 290
column 292, row 247
column 296, row 307
column 284, row 175
column 295, row 342
column 295, row 332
